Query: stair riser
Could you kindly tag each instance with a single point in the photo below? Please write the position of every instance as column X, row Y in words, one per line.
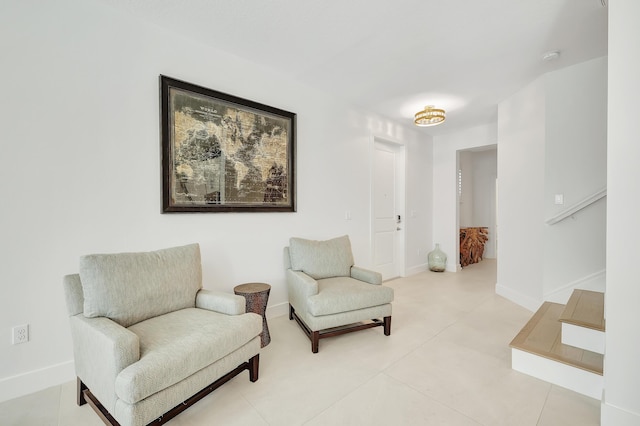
column 584, row 338
column 575, row 379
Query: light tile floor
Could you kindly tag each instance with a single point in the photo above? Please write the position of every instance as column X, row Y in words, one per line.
column 447, row 362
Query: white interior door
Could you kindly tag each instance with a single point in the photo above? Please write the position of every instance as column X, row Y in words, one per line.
column 387, row 211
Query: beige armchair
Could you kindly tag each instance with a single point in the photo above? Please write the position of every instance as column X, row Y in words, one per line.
column 148, row 341
column 328, row 295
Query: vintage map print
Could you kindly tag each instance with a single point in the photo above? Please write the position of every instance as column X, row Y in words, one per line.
column 222, row 153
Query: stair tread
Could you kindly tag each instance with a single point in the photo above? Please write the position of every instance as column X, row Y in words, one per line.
column 585, row 308
column 542, row 336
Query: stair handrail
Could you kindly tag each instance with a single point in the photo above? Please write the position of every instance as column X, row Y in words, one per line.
column 577, row 207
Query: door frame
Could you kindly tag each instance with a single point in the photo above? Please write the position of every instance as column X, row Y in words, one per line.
column 400, row 194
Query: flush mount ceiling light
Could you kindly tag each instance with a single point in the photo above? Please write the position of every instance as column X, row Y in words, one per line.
column 429, row 116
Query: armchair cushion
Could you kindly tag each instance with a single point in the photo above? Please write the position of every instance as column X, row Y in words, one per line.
column 322, row 259
column 132, row 287
column 344, row 294
column 178, row 344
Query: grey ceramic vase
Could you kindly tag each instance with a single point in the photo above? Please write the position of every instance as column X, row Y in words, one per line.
column 437, row 259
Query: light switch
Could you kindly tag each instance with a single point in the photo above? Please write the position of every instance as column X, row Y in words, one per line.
column 559, row 199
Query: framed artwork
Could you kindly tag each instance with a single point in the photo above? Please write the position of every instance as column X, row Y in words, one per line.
column 221, row 153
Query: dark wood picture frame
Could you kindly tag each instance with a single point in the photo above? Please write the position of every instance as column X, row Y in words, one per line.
column 222, row 153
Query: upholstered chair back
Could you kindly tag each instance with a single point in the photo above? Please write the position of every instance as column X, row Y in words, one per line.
column 321, row 259
column 132, row 287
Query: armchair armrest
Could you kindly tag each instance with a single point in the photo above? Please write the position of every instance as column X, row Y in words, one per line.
column 300, row 286
column 366, row 275
column 225, row 303
column 102, row 342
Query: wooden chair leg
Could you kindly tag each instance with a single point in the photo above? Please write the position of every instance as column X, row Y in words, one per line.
column 387, row 326
column 315, row 338
column 80, row 388
column 254, row 364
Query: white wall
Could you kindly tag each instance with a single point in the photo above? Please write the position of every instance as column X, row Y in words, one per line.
column 521, row 136
column 575, row 166
column 621, row 405
column 466, row 197
column 485, row 172
column 552, row 140
column 418, row 225
column 81, row 170
column 445, row 191
column 478, row 199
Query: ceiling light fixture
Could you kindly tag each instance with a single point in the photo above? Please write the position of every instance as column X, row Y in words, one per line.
column 429, row 116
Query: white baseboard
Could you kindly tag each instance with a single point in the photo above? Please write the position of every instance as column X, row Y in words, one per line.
column 277, row 310
column 576, row 379
column 611, row 415
column 416, row 269
column 516, row 297
column 37, row 380
column 594, row 282
column 453, row 268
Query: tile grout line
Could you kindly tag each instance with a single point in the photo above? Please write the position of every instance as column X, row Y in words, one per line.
column 546, row 399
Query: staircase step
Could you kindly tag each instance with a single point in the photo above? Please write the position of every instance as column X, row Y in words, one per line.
column 585, row 308
column 583, row 338
column 541, row 336
column 583, row 321
column 538, row 351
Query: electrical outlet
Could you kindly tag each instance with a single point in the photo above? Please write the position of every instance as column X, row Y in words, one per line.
column 20, row 334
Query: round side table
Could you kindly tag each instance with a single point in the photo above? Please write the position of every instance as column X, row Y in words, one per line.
column 256, row 296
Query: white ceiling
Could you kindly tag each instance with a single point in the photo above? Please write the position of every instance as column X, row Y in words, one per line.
column 394, row 57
